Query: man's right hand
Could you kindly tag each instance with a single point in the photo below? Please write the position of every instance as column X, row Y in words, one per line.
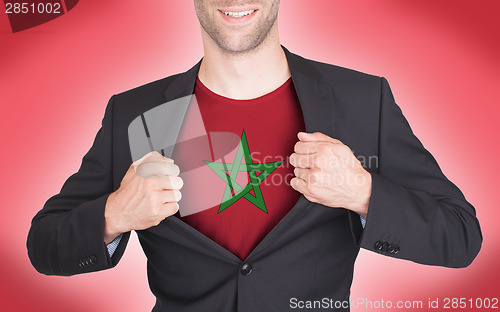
column 148, row 193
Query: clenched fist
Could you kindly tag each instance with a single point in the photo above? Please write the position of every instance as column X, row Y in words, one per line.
column 148, row 193
column 327, row 172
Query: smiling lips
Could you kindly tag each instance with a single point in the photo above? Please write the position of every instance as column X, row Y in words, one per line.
column 239, row 14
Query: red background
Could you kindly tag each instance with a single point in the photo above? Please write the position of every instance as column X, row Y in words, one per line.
column 440, row 57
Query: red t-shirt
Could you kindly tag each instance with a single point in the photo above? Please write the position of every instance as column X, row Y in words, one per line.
column 233, row 158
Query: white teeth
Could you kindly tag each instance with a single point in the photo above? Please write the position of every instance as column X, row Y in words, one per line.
column 239, row 14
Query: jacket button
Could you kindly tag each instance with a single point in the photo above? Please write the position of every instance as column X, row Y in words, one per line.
column 390, row 249
column 246, row 269
column 93, row 260
column 384, row 246
column 83, row 263
column 395, row 249
column 378, row 245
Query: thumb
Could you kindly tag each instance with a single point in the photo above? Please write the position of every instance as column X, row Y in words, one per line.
column 143, row 158
column 149, row 157
column 316, row 137
column 152, row 156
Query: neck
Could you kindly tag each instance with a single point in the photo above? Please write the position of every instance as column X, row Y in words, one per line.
column 245, row 75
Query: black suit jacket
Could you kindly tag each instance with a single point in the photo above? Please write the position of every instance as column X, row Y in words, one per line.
column 415, row 212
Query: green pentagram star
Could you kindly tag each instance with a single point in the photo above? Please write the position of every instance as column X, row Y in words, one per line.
column 234, row 191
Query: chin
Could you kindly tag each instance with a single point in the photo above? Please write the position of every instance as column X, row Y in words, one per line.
column 239, row 44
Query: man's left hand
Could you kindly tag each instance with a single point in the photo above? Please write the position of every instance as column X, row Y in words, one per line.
column 327, row 172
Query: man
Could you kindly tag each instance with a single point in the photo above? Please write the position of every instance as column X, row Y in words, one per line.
column 264, row 244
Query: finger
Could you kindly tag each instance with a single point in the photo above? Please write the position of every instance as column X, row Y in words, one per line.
column 302, row 147
column 134, row 165
column 171, row 208
column 171, row 196
column 146, row 156
column 310, row 147
column 302, row 173
column 151, row 170
column 311, row 176
column 302, row 161
column 165, row 183
column 132, row 169
column 172, row 183
column 157, row 169
column 298, row 184
column 316, row 137
column 301, row 186
column 171, row 169
column 157, row 157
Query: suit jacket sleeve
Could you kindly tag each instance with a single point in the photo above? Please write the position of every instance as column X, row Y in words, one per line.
column 67, row 236
column 414, row 209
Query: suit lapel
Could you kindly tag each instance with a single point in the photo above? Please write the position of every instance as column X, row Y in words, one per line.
column 317, row 104
column 183, row 84
column 316, row 98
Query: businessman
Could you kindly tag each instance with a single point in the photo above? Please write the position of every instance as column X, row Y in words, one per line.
column 301, row 122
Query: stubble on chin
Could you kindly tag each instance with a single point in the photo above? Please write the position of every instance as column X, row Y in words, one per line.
column 243, row 44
